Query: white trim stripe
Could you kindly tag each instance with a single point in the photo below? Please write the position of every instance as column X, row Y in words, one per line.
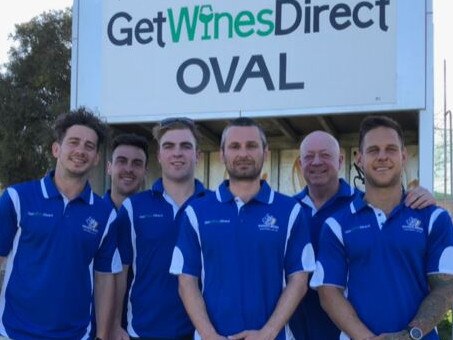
column 43, row 188
column 196, row 227
column 292, row 218
column 336, row 229
column 318, row 276
column 14, row 196
column 217, row 195
column 446, row 261
column 271, row 196
column 434, row 215
column 130, row 313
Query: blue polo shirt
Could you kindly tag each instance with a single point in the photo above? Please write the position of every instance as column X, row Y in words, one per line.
column 148, row 225
column 383, row 262
column 310, row 321
column 108, row 199
column 242, row 253
column 52, row 246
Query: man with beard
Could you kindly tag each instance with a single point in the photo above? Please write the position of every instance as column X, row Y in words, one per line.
column 54, row 232
column 246, row 246
column 325, row 193
column 148, row 225
column 385, row 270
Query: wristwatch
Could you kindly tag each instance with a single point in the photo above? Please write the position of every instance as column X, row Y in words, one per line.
column 415, row 333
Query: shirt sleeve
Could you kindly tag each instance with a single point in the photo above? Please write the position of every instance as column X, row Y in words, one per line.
column 9, row 220
column 299, row 255
column 123, row 224
column 107, row 258
column 440, row 243
column 331, row 266
column 186, row 257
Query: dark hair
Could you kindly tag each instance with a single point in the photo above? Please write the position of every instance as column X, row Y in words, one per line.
column 180, row 123
column 83, row 117
column 131, row 139
column 243, row 121
column 373, row 122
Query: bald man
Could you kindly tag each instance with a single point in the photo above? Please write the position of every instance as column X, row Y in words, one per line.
column 321, row 162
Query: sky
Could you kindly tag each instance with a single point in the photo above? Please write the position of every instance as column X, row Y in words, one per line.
column 18, row 11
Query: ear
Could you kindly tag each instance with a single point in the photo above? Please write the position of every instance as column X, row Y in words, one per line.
column 109, row 168
column 158, row 154
column 222, row 156
column 56, row 149
column 198, row 155
column 340, row 161
column 266, row 152
column 358, row 159
column 97, row 158
column 404, row 156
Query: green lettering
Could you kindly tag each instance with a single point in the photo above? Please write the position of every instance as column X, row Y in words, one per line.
column 229, row 19
column 244, row 19
column 184, row 18
column 266, row 22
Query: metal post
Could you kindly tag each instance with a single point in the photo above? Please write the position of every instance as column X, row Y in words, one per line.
column 445, row 132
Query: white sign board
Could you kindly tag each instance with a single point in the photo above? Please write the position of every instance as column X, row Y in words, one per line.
column 167, row 57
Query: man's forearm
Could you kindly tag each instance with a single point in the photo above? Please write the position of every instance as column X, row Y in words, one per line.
column 104, row 299
column 195, row 306
column 120, row 292
column 287, row 304
column 436, row 303
column 342, row 313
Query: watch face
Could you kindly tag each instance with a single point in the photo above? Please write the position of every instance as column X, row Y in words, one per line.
column 416, row 333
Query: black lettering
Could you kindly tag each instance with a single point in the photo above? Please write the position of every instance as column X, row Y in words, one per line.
column 144, row 26
column 128, row 31
column 159, row 21
column 278, row 17
column 317, row 13
column 355, row 15
column 340, row 11
column 262, row 72
column 284, row 85
column 224, row 86
column 205, row 76
column 382, row 17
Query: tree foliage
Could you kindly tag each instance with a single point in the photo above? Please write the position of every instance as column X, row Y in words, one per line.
column 34, row 89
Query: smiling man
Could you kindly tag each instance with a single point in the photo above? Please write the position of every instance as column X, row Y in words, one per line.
column 148, row 226
column 127, row 167
column 53, row 233
column 325, row 193
column 246, row 245
column 385, row 270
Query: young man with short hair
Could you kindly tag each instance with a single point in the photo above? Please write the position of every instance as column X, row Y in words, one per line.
column 394, row 262
column 53, row 233
column 127, row 168
column 149, row 227
column 246, row 245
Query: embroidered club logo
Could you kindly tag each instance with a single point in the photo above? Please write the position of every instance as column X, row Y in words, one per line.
column 269, row 223
column 413, row 224
column 90, row 225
